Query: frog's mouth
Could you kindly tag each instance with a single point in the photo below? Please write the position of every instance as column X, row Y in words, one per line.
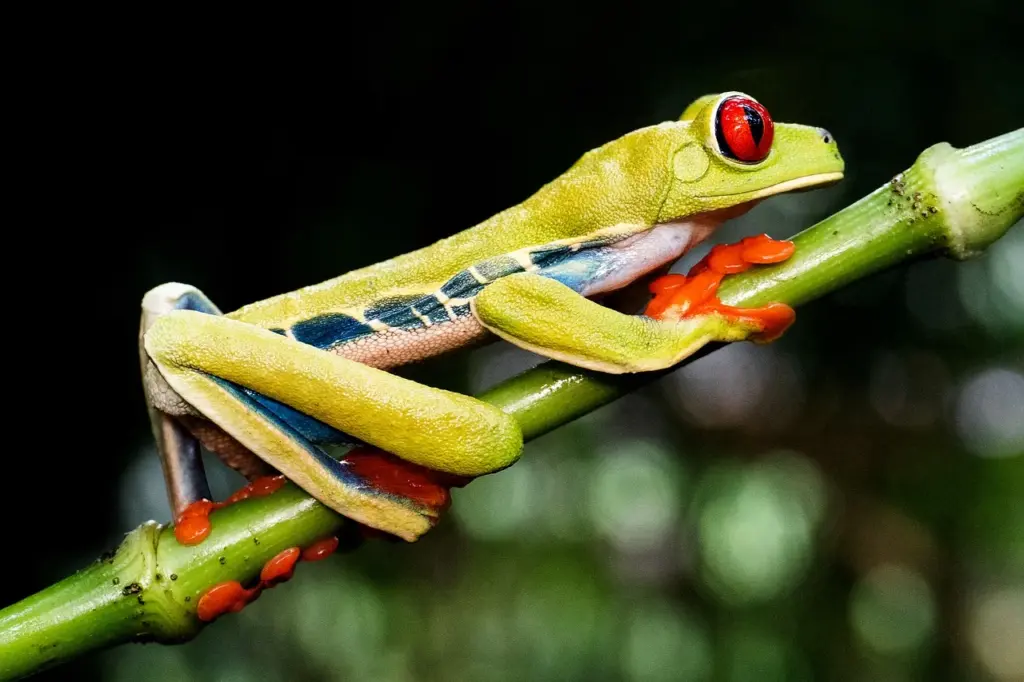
column 801, row 184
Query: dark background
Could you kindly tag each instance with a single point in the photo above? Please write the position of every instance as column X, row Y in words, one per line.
column 841, row 505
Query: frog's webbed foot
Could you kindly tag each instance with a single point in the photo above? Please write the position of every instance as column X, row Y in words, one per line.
column 678, row 297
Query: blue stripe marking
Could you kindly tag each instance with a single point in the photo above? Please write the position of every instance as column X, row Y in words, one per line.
column 404, row 320
column 337, row 469
column 309, row 428
column 282, row 417
column 576, row 269
column 582, row 269
column 462, row 285
column 436, row 314
column 431, row 308
column 327, row 330
column 551, row 256
column 426, row 304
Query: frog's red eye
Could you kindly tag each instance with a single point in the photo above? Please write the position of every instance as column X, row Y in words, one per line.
column 744, row 130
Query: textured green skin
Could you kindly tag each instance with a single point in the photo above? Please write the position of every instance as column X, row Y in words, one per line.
column 667, row 172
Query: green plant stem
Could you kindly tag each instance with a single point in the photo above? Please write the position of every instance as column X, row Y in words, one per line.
column 950, row 202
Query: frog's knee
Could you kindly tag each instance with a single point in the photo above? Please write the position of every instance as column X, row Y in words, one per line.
column 508, row 445
column 499, row 445
column 175, row 296
column 159, row 344
column 166, row 311
column 178, row 338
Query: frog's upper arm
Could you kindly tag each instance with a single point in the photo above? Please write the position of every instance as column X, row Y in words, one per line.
column 546, row 317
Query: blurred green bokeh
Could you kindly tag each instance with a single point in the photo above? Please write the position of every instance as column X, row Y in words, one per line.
column 844, row 504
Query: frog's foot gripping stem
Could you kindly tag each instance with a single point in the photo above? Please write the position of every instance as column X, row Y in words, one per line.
column 677, row 297
column 377, row 470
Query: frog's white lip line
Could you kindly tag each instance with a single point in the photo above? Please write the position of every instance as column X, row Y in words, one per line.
column 790, row 185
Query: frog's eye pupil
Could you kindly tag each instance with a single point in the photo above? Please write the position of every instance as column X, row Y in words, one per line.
column 755, row 122
column 744, row 130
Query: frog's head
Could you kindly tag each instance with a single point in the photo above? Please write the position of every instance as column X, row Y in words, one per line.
column 734, row 156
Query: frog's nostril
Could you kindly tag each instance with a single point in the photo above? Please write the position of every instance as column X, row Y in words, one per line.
column 826, row 136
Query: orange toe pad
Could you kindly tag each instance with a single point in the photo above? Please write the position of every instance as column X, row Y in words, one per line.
column 681, row 296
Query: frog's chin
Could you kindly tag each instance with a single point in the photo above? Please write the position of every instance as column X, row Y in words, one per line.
column 801, row 184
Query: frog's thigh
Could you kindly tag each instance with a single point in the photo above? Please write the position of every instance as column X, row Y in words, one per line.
column 210, row 360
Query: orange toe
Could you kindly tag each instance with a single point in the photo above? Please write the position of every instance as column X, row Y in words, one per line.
column 775, row 318
column 677, row 296
column 762, row 249
column 727, row 259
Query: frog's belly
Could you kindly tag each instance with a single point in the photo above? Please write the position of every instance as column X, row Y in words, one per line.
column 394, row 347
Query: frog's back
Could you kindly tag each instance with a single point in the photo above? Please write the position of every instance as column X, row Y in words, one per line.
column 427, row 292
column 417, row 272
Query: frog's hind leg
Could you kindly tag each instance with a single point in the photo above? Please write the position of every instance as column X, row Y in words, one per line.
column 178, row 428
column 287, row 401
column 178, row 448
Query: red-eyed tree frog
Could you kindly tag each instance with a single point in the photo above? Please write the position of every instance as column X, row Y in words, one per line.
column 275, row 385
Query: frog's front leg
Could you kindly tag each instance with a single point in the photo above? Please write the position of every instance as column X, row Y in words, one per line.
column 550, row 318
column 244, row 378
